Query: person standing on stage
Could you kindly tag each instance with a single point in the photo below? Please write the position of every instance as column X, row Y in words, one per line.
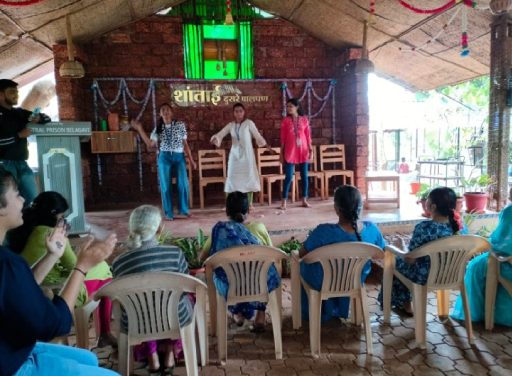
column 171, row 135
column 13, row 139
column 295, row 148
column 242, row 170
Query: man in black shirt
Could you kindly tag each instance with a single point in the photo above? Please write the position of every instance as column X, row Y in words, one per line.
column 13, row 139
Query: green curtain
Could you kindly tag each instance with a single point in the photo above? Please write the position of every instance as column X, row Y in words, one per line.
column 246, row 55
column 193, row 50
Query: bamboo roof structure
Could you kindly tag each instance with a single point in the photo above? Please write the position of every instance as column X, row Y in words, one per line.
column 32, row 31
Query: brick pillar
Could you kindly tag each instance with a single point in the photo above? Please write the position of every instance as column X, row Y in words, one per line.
column 499, row 113
column 352, row 115
column 70, row 91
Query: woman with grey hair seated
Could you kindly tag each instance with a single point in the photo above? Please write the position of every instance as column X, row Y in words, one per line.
column 348, row 205
column 145, row 254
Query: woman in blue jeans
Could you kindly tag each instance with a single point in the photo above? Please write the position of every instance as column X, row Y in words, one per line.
column 27, row 314
column 171, row 135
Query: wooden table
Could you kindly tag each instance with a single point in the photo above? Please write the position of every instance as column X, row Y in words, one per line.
column 383, row 176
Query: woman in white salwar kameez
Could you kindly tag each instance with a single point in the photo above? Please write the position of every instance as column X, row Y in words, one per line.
column 242, row 170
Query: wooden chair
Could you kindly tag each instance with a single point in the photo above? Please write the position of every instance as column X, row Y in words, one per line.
column 342, row 264
column 448, row 260
column 334, row 154
column 190, row 188
column 150, row 301
column 247, row 270
column 266, row 160
column 211, row 160
column 313, row 172
column 491, row 287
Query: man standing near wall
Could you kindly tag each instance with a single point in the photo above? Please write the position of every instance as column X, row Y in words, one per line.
column 13, row 139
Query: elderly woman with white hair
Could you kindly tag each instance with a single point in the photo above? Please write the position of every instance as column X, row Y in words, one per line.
column 144, row 255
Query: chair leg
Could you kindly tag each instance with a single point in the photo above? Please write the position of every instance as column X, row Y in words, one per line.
column 212, row 302
column 81, row 328
column 326, row 179
column 262, row 192
column 315, row 309
column 222, row 328
column 189, row 348
column 387, row 284
column 322, row 189
column 190, row 193
column 123, row 354
column 293, row 191
column 269, row 192
column 201, row 196
column 491, row 287
column 276, row 323
column 467, row 314
column 419, row 296
column 355, row 307
column 443, row 302
column 296, row 295
column 202, row 325
column 366, row 319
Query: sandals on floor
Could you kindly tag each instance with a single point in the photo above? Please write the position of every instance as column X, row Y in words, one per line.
column 258, row 329
column 238, row 323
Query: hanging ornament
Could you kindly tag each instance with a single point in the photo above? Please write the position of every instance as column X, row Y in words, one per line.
column 449, row 4
column 225, row 72
column 229, row 16
column 464, row 38
column 371, row 17
column 218, row 66
column 445, row 26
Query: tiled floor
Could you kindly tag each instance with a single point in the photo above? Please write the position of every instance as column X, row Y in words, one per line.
column 343, row 348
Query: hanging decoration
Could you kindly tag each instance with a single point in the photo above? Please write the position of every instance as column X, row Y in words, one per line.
column 229, row 16
column 309, row 90
column 468, row 3
column 371, row 16
column 464, row 36
column 17, row 3
column 445, row 26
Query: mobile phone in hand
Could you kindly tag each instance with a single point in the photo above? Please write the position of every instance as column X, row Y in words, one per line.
column 35, row 112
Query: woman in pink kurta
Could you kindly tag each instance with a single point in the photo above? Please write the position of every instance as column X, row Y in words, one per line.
column 295, row 148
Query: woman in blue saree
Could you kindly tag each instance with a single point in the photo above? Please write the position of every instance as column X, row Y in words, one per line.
column 348, row 204
column 230, row 234
column 476, row 274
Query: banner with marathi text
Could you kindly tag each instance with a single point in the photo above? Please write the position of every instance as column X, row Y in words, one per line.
column 219, row 95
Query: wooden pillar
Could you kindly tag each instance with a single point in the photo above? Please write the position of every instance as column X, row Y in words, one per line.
column 499, row 113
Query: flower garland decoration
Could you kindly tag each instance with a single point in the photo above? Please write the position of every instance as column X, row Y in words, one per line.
column 445, row 26
column 468, row 3
column 20, row 3
column 229, row 16
column 464, row 37
column 371, row 17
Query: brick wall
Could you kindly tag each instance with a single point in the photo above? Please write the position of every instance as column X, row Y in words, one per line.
column 153, row 48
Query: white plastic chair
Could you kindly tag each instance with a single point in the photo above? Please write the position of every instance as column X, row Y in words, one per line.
column 448, row 260
column 247, row 269
column 150, row 301
column 80, row 318
column 342, row 264
column 491, row 286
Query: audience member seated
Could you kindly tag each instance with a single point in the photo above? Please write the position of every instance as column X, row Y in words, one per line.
column 476, row 274
column 348, row 204
column 403, row 168
column 29, row 241
column 145, row 255
column 445, row 222
column 234, row 233
column 27, row 314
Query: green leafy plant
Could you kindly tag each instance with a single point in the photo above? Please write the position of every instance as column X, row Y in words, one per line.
column 191, row 248
column 477, row 184
column 290, row 245
column 423, row 193
column 163, row 236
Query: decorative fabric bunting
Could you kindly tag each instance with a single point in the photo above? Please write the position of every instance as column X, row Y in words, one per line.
column 468, row 3
column 464, row 39
column 229, row 16
column 19, row 3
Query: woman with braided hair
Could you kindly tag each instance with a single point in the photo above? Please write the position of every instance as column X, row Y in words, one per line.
column 348, row 204
column 445, row 221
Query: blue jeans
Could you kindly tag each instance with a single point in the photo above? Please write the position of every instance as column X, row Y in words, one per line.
column 55, row 360
column 289, row 170
column 167, row 161
column 25, row 178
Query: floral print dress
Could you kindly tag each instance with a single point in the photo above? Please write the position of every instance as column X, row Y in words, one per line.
column 424, row 232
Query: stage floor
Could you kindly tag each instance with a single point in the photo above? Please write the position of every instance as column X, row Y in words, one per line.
column 295, row 221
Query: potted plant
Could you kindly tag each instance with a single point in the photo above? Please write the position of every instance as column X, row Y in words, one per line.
column 415, row 185
column 422, row 195
column 460, row 200
column 191, row 248
column 476, row 192
column 287, row 247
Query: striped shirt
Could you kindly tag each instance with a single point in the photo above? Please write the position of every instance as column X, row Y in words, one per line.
column 152, row 257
